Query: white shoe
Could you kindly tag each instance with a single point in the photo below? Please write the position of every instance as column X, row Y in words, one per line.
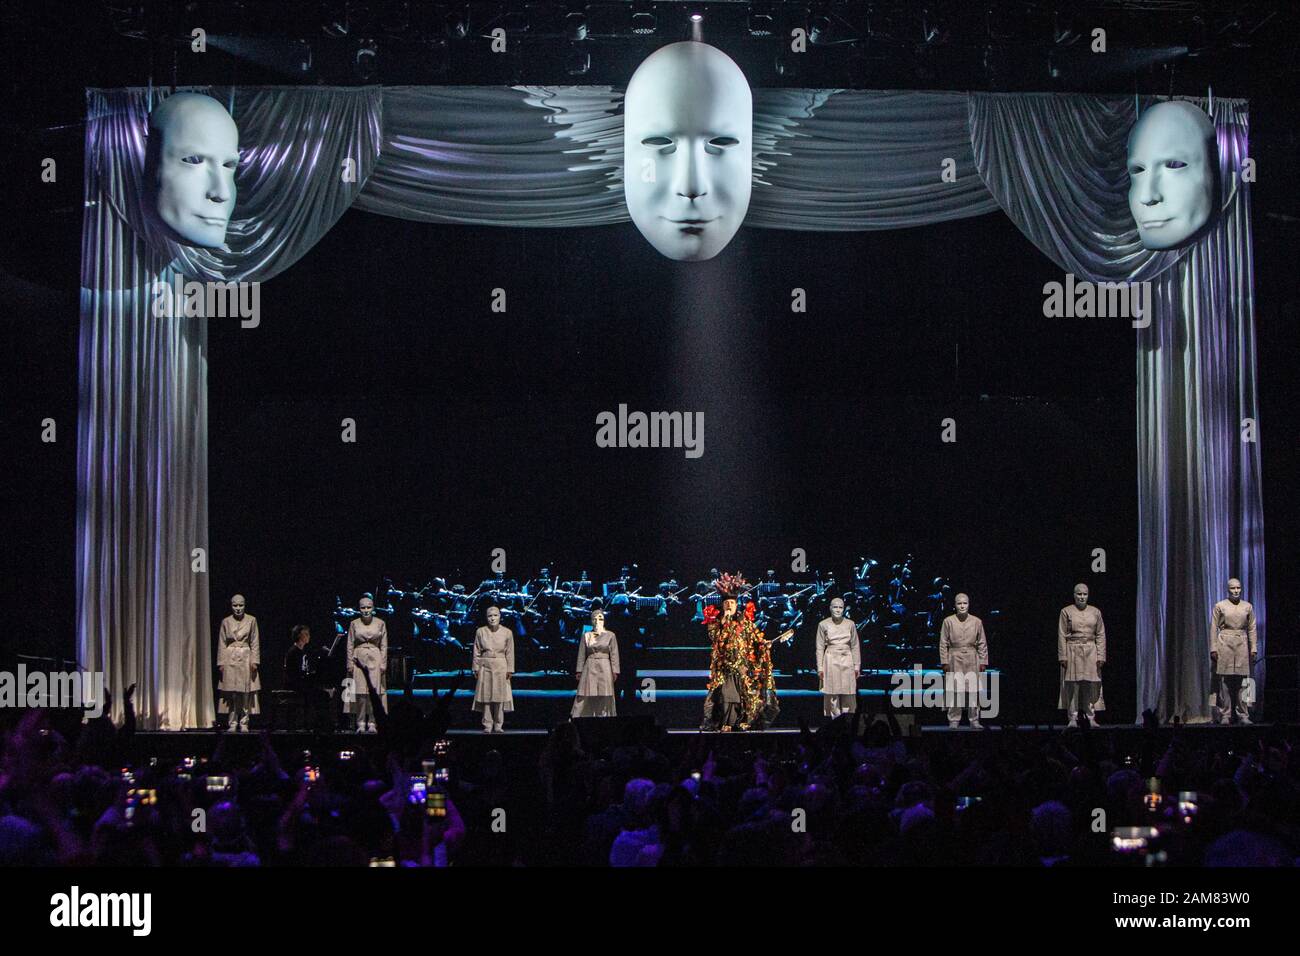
column 243, row 725
column 954, row 724
column 1073, row 722
column 976, row 725
column 1245, row 721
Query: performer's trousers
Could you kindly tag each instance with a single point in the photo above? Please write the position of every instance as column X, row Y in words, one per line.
column 236, row 705
column 1081, row 695
column 365, row 711
column 732, row 713
column 1230, row 704
column 835, row 704
column 494, row 715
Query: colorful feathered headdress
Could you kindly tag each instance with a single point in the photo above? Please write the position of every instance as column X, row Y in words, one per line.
column 730, row 585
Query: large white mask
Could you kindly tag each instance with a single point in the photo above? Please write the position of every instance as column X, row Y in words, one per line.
column 193, row 154
column 1173, row 160
column 688, row 120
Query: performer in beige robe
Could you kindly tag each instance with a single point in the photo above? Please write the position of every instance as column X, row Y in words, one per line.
column 597, row 670
column 368, row 645
column 1081, row 652
column 963, row 649
column 494, row 667
column 839, row 662
column 1233, row 651
column 238, row 657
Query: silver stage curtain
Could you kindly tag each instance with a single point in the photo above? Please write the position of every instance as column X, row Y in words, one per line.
column 824, row 160
column 142, row 479
column 1057, row 166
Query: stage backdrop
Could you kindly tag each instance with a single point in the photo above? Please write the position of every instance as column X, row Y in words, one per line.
column 824, row 160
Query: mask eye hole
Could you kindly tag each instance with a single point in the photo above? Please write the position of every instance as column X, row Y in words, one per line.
column 1175, row 164
column 662, row 143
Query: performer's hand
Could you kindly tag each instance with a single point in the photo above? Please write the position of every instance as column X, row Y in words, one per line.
column 1214, row 656
column 1100, row 665
column 857, row 674
column 130, row 692
column 821, row 678
column 510, row 675
column 983, row 668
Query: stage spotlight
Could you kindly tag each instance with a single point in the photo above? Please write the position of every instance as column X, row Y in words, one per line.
column 364, row 62
column 644, row 24
column 1063, row 32
column 575, row 26
column 334, row 19
column 932, row 33
column 578, row 62
column 456, row 26
column 819, row 29
column 761, row 25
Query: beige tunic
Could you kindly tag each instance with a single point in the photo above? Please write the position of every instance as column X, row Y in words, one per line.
column 1232, row 637
column 368, row 643
column 494, row 658
column 839, row 656
column 1081, row 642
column 963, row 647
column 238, row 653
column 597, row 664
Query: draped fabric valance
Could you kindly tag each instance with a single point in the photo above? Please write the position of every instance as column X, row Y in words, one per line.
column 824, row 160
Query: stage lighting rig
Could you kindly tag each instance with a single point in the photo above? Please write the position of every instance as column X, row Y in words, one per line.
column 365, row 60
column 575, row 26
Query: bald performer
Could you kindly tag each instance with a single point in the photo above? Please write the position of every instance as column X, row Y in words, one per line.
column 1233, row 652
column 190, row 160
column 238, row 658
column 839, row 662
column 1173, row 168
column 963, row 649
column 494, row 668
column 1081, row 652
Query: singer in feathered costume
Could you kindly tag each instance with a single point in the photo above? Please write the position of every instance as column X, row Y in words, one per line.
column 741, row 691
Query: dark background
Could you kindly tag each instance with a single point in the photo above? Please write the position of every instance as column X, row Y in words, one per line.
column 476, row 429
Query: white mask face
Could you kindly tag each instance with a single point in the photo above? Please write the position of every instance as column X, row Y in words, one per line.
column 367, row 609
column 1171, row 163
column 837, row 609
column 688, row 122
column 237, row 606
column 962, row 604
column 1081, row 597
column 493, row 616
column 196, row 158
